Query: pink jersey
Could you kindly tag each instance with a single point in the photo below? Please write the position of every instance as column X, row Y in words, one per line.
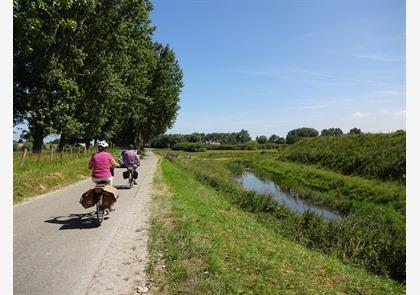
column 101, row 163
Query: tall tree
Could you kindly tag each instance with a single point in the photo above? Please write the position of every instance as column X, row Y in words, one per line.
column 355, row 131
column 243, row 136
column 261, row 139
column 89, row 69
column 276, row 139
column 45, row 64
column 331, row 132
column 165, row 89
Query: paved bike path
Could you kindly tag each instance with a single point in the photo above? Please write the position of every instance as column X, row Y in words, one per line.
column 57, row 248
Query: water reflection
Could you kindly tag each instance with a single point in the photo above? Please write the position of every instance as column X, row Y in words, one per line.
column 250, row 182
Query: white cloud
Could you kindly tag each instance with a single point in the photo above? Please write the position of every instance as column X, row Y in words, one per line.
column 265, row 73
column 378, row 100
column 361, row 115
column 391, row 93
column 392, row 38
column 396, row 113
column 314, row 106
column 307, row 36
column 381, row 57
column 255, row 72
column 287, row 73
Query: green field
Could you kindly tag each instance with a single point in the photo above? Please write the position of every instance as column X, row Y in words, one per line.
column 208, row 236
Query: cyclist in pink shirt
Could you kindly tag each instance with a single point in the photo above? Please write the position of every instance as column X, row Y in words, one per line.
column 101, row 163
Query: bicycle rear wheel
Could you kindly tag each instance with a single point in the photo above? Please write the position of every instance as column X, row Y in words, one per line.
column 99, row 212
column 131, row 179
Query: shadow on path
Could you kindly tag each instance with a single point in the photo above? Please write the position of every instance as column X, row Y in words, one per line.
column 125, row 186
column 76, row 221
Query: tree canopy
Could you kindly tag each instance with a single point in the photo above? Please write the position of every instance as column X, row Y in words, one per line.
column 355, row 131
column 299, row 133
column 331, row 132
column 261, row 139
column 90, row 70
column 276, row 139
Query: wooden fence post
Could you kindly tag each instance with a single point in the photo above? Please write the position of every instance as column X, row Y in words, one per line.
column 71, row 149
column 78, row 151
column 52, row 153
column 39, row 155
column 22, row 160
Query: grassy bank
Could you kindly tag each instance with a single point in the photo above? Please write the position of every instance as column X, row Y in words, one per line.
column 344, row 193
column 371, row 236
column 201, row 243
column 380, row 156
column 40, row 174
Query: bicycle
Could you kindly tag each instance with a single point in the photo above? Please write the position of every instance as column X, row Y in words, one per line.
column 130, row 178
column 131, row 174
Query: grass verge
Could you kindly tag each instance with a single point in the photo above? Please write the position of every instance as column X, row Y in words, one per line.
column 42, row 175
column 201, row 244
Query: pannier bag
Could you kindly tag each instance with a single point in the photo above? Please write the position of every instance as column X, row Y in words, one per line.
column 109, row 196
column 88, row 199
column 135, row 174
column 126, row 174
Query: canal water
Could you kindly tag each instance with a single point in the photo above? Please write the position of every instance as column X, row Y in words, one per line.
column 251, row 182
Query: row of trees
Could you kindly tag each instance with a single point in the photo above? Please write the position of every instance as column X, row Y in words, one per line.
column 297, row 134
column 89, row 70
column 169, row 140
column 241, row 137
column 272, row 139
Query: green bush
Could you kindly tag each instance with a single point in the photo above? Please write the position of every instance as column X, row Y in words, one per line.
column 190, row 147
column 28, row 145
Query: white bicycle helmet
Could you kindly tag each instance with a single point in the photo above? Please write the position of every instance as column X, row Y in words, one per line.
column 103, row 144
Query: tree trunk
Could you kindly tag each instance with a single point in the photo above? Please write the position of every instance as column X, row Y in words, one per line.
column 62, row 143
column 137, row 138
column 146, row 139
column 38, row 134
column 87, row 142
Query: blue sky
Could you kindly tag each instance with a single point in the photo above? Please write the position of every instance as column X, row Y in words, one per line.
column 270, row 66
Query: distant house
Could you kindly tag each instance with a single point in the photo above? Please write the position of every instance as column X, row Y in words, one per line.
column 214, row 142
